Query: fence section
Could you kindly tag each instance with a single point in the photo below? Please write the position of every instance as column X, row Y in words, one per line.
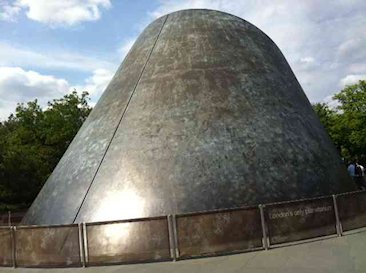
column 300, row 220
column 11, row 218
column 213, row 233
column 352, row 210
column 4, row 219
column 6, row 247
column 180, row 236
column 132, row 241
column 54, row 246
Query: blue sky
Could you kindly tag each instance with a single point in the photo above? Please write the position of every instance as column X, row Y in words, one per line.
column 49, row 47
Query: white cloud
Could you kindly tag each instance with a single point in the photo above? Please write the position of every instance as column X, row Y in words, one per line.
column 307, row 60
column 351, row 79
column 11, row 55
column 333, row 104
column 59, row 12
column 96, row 83
column 322, row 40
column 8, row 12
column 19, row 85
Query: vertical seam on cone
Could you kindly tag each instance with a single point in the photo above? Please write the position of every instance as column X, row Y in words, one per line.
column 123, row 114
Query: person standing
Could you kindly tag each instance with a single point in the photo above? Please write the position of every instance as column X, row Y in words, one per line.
column 357, row 173
column 361, row 175
column 351, row 169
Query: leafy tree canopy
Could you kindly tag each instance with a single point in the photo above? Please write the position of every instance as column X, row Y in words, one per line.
column 32, row 142
column 346, row 123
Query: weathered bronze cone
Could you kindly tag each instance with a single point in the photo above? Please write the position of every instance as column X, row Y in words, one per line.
column 204, row 113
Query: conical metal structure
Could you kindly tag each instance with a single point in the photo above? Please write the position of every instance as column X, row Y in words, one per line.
column 204, row 113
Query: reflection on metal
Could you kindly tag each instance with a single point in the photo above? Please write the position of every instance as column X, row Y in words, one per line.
column 204, row 113
column 128, row 204
column 86, row 252
column 128, row 241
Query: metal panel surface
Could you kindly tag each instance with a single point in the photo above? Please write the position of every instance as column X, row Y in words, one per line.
column 219, row 232
column 54, row 246
column 217, row 121
column 352, row 210
column 64, row 192
column 6, row 247
column 300, row 220
column 128, row 241
column 205, row 113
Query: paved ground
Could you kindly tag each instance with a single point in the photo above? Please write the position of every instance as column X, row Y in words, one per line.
column 346, row 254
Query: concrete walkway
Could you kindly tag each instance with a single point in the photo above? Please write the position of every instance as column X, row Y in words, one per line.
column 345, row 254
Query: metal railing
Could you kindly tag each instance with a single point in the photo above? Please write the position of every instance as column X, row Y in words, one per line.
column 11, row 218
column 182, row 236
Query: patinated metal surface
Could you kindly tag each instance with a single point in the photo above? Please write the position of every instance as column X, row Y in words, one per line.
column 300, row 220
column 352, row 210
column 128, row 242
column 47, row 246
column 219, row 232
column 60, row 199
column 204, row 113
column 6, row 258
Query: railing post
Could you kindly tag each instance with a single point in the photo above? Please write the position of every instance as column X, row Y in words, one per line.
column 85, row 245
column 13, row 230
column 171, row 237
column 175, row 236
column 81, row 244
column 338, row 222
column 9, row 218
column 264, row 231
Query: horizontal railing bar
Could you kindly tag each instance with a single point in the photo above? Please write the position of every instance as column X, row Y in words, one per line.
column 46, row 226
column 350, row 192
column 204, row 212
column 126, row 221
column 298, row 200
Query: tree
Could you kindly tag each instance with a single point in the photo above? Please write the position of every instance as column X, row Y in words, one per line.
column 346, row 124
column 62, row 121
column 326, row 115
column 351, row 122
column 32, row 142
